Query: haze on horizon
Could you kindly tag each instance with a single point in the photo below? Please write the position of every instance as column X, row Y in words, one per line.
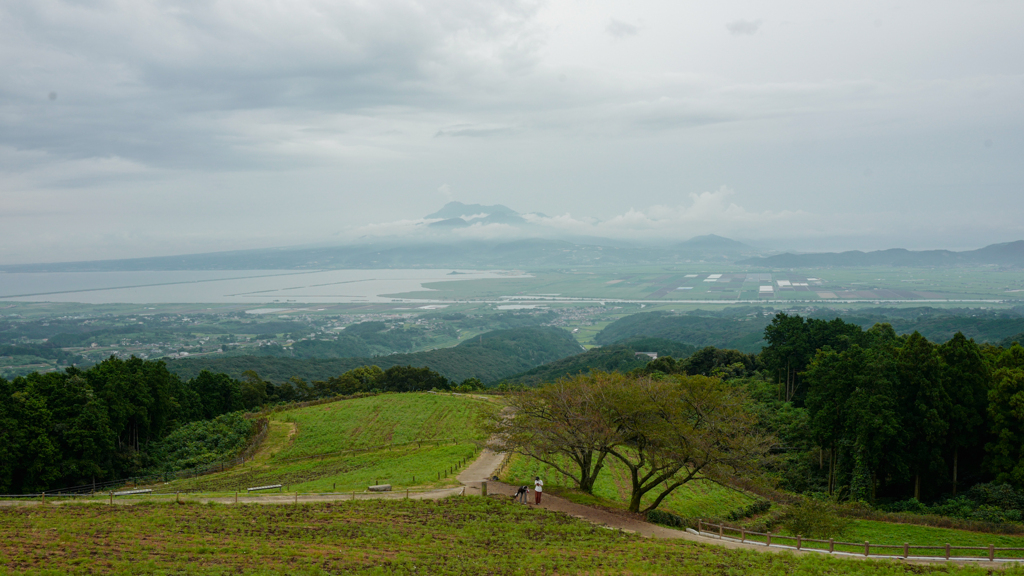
column 145, row 128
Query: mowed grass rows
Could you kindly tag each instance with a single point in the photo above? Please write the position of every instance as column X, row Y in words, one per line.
column 407, row 440
column 467, row 535
column 376, row 421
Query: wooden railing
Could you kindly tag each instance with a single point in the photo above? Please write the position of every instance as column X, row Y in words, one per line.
column 832, row 546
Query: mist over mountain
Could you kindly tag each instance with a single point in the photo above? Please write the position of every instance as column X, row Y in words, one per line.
column 499, row 237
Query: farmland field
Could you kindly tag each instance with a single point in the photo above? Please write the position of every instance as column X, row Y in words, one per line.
column 730, row 283
column 468, row 535
column 409, row 439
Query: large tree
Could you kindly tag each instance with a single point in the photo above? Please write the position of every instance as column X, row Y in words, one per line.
column 563, row 424
column 680, row 429
column 665, row 431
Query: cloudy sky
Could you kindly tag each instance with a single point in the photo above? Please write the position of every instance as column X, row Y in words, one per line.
column 139, row 127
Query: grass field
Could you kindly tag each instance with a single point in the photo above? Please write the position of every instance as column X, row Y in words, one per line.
column 468, row 535
column 400, row 439
column 693, row 500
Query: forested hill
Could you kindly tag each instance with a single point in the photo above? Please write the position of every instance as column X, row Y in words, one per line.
column 489, row 357
column 1005, row 254
column 620, row 357
column 745, row 333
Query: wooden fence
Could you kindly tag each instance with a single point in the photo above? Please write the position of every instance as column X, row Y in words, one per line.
column 832, row 546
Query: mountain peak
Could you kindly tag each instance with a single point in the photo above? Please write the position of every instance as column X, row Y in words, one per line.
column 458, row 210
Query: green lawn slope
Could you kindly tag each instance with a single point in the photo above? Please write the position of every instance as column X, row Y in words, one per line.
column 407, row 440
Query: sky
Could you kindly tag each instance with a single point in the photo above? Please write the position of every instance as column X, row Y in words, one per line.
column 141, row 128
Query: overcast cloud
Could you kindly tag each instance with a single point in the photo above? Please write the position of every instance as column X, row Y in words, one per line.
column 137, row 127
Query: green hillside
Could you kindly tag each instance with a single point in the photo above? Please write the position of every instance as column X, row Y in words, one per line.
column 616, row 358
column 409, row 439
column 488, row 357
column 742, row 334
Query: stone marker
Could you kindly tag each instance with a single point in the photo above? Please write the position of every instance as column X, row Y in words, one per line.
column 380, row 488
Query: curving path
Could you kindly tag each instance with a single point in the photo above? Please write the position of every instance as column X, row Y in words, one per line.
column 483, row 469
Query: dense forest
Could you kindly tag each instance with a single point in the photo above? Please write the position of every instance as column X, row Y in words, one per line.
column 742, row 328
column 875, row 416
column 122, row 418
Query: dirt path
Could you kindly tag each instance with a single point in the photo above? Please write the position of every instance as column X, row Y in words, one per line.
column 627, row 522
column 482, row 470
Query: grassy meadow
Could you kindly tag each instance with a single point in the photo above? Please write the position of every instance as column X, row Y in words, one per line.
column 407, row 440
column 468, row 535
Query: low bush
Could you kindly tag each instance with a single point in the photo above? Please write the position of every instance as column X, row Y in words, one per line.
column 667, row 519
column 203, row 442
column 815, row 518
column 753, row 509
column 989, row 503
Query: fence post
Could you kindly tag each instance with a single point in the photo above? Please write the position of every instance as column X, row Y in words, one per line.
column 799, row 541
column 483, row 488
column 700, row 525
column 867, row 548
column 768, row 541
column 906, row 549
column 236, row 496
column 43, row 499
column 947, row 551
column 991, row 553
column 111, row 497
column 406, row 493
column 831, row 545
column 743, row 534
column 296, row 498
column 719, row 531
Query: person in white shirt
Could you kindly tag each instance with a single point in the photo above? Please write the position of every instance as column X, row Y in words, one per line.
column 538, row 487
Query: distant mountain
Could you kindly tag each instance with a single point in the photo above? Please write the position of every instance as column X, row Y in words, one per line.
column 715, row 242
column 1005, row 254
column 430, row 253
column 712, row 247
column 460, row 210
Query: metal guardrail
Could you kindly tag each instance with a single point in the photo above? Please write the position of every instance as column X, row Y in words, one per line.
column 268, row 487
column 133, row 492
column 867, row 549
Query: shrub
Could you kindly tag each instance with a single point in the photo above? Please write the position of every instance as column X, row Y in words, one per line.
column 666, row 519
column 753, row 509
column 815, row 518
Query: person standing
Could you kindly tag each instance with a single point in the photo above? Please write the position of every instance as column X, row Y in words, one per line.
column 538, row 487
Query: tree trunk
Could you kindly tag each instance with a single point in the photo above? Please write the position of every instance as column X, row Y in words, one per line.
column 917, row 487
column 956, row 456
column 831, row 468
